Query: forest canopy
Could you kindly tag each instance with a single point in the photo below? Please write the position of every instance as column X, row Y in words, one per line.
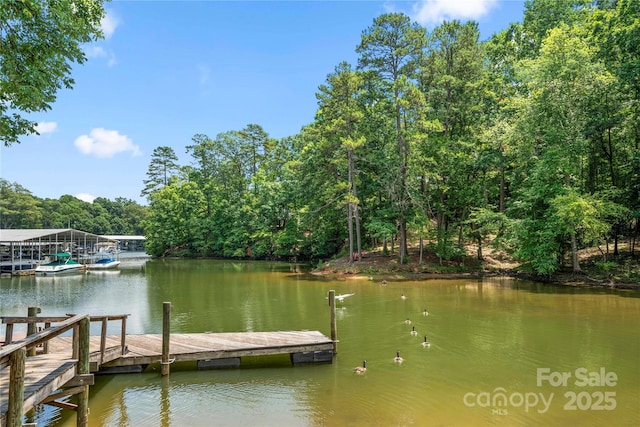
column 40, row 40
column 528, row 141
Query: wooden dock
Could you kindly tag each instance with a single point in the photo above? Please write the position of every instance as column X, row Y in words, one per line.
column 28, row 378
column 44, row 367
column 209, row 350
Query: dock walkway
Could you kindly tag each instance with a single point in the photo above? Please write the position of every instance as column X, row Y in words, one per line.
column 45, row 367
column 144, row 349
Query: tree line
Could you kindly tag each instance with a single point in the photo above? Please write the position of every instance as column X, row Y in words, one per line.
column 21, row 209
column 528, row 141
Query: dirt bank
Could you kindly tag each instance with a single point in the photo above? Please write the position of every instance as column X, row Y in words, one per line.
column 376, row 265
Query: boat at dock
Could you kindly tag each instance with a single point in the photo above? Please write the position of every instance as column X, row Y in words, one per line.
column 104, row 261
column 61, row 263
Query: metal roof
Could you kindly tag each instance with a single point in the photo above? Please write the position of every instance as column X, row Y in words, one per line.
column 124, row 237
column 49, row 234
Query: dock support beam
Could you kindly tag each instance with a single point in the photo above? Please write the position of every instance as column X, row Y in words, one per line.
column 166, row 334
column 334, row 332
column 16, row 388
column 83, row 369
column 32, row 328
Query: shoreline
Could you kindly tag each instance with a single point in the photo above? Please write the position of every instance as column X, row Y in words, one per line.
column 378, row 267
column 563, row 280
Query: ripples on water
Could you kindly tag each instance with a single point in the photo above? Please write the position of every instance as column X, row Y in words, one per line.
column 485, row 335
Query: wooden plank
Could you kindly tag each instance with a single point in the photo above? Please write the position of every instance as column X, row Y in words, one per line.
column 64, row 393
column 40, row 337
column 43, row 375
column 146, row 349
column 32, row 319
column 39, row 376
column 42, row 388
column 150, row 344
column 80, row 380
column 131, row 369
column 63, row 405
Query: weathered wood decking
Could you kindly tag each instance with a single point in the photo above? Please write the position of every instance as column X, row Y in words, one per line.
column 44, row 366
column 145, row 349
column 44, row 374
column 28, row 378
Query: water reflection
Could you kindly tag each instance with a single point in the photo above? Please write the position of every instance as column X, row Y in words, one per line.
column 485, row 335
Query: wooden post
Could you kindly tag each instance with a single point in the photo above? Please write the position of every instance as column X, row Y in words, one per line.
column 334, row 333
column 123, row 335
column 103, row 338
column 8, row 334
column 16, row 387
column 83, row 369
column 45, row 345
column 75, row 343
column 32, row 328
column 166, row 335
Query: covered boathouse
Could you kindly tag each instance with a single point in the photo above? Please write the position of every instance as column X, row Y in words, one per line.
column 21, row 250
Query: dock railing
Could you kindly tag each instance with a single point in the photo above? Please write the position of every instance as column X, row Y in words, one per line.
column 33, row 321
column 39, row 332
column 14, row 355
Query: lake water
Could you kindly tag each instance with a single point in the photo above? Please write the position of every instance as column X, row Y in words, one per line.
column 503, row 351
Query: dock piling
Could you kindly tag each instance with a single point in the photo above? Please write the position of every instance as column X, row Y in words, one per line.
column 166, row 335
column 82, row 368
column 334, row 332
column 32, row 328
column 16, row 387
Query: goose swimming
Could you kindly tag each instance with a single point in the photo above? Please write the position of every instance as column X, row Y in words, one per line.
column 426, row 343
column 361, row 369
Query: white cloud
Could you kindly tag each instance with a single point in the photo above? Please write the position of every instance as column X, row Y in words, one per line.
column 46, row 127
column 109, row 24
column 95, row 51
column 85, row 197
column 105, row 143
column 435, row 11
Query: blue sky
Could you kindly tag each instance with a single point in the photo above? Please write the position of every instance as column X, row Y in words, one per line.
column 168, row 70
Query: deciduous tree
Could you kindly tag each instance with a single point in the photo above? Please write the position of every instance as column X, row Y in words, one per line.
column 40, row 40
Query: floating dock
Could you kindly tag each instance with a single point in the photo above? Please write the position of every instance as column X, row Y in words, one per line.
column 209, row 350
column 44, row 367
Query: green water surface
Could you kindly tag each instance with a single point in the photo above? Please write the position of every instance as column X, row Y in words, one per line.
column 503, row 351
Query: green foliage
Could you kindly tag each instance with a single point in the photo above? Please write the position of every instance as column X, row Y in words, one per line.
column 606, row 267
column 528, row 141
column 39, row 42
column 19, row 209
column 163, row 166
column 538, row 245
column 446, row 249
column 581, row 215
